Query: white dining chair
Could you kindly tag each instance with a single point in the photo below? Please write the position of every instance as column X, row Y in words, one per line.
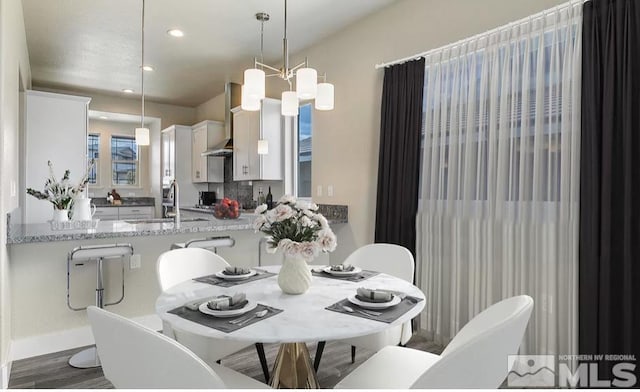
column 134, row 356
column 178, row 265
column 394, row 260
column 477, row 357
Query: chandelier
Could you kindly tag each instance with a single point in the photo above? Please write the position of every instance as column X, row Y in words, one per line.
column 306, row 79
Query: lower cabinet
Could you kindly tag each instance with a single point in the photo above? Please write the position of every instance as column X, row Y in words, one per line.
column 124, row 213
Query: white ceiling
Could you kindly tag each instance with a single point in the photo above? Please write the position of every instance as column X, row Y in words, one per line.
column 94, row 45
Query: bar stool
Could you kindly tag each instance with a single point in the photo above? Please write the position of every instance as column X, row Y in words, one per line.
column 207, row 243
column 89, row 358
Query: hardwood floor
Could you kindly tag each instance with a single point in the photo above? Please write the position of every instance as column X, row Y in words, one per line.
column 52, row 371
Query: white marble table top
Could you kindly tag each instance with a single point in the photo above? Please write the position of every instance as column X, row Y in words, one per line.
column 304, row 318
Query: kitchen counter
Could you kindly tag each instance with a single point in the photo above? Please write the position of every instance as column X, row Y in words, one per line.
column 41, row 232
column 193, row 221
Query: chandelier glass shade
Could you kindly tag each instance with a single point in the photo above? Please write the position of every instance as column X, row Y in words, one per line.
column 306, row 80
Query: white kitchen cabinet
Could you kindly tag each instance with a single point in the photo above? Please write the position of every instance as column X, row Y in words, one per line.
column 248, row 128
column 56, row 131
column 124, row 213
column 145, row 212
column 176, row 162
column 206, row 135
column 106, row 213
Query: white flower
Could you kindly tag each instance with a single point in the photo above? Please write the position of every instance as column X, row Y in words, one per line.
column 259, row 222
column 309, row 213
column 282, row 212
column 308, row 250
column 327, row 240
column 288, row 247
column 261, row 208
column 287, row 199
column 313, row 206
column 324, row 223
column 306, row 222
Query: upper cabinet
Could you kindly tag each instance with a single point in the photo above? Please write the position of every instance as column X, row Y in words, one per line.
column 176, row 162
column 206, row 135
column 248, row 129
column 56, row 131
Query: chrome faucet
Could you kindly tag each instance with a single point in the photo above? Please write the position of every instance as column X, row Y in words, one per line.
column 175, row 192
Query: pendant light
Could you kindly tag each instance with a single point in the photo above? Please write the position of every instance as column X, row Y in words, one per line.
column 142, row 133
column 306, row 78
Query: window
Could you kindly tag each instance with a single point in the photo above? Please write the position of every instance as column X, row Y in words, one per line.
column 304, row 151
column 93, row 152
column 124, row 160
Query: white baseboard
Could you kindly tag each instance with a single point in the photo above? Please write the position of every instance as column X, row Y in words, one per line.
column 5, row 371
column 66, row 339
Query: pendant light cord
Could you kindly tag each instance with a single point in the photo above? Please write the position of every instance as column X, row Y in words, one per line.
column 142, row 68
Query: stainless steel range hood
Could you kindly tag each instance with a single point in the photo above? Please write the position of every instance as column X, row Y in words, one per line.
column 232, row 98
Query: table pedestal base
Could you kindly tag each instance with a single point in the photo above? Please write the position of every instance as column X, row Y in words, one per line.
column 293, row 368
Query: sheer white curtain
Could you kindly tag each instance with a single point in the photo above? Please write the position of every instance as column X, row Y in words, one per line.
column 499, row 202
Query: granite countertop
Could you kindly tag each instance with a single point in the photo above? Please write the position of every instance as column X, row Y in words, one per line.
column 126, row 202
column 41, row 232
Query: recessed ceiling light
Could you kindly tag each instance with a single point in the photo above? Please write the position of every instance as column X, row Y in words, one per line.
column 175, row 33
column 147, row 68
column 104, row 117
column 127, row 90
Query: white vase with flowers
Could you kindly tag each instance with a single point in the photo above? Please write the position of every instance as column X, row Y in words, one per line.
column 295, row 228
column 61, row 193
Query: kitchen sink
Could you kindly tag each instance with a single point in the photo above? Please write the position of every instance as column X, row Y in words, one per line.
column 165, row 220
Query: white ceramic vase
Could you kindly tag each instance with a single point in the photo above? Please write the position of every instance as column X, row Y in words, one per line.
column 60, row 215
column 294, row 276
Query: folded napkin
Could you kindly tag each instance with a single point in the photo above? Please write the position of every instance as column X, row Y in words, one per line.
column 225, row 302
column 373, row 295
column 342, row 267
column 236, row 271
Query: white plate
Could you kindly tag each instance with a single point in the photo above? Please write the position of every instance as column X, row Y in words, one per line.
column 356, row 270
column 227, row 313
column 374, row 305
column 222, row 275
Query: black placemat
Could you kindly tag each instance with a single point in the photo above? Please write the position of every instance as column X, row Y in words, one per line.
column 360, row 276
column 388, row 315
column 214, row 280
column 222, row 324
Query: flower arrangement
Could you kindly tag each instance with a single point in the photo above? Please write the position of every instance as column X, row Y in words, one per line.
column 61, row 194
column 296, row 228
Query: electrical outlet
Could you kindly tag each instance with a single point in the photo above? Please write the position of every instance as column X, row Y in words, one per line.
column 319, row 190
column 135, row 262
column 131, row 194
column 330, row 190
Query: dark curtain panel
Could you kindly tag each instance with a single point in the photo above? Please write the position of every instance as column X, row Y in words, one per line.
column 609, row 303
column 399, row 161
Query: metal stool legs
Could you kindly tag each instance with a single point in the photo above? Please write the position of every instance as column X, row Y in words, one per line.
column 89, row 358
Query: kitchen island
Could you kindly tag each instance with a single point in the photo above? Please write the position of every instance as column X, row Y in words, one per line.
column 41, row 320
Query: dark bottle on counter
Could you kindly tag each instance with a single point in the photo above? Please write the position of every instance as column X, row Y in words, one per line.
column 269, row 199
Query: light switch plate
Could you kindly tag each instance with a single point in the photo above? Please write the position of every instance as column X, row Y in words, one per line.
column 13, row 188
column 135, row 261
column 319, row 190
column 330, row 190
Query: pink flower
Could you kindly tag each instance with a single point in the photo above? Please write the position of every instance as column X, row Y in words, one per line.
column 327, row 240
column 308, row 250
column 282, row 212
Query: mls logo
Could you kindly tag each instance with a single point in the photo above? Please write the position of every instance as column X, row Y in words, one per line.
column 532, row 371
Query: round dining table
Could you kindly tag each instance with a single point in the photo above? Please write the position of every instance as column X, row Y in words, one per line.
column 303, row 318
